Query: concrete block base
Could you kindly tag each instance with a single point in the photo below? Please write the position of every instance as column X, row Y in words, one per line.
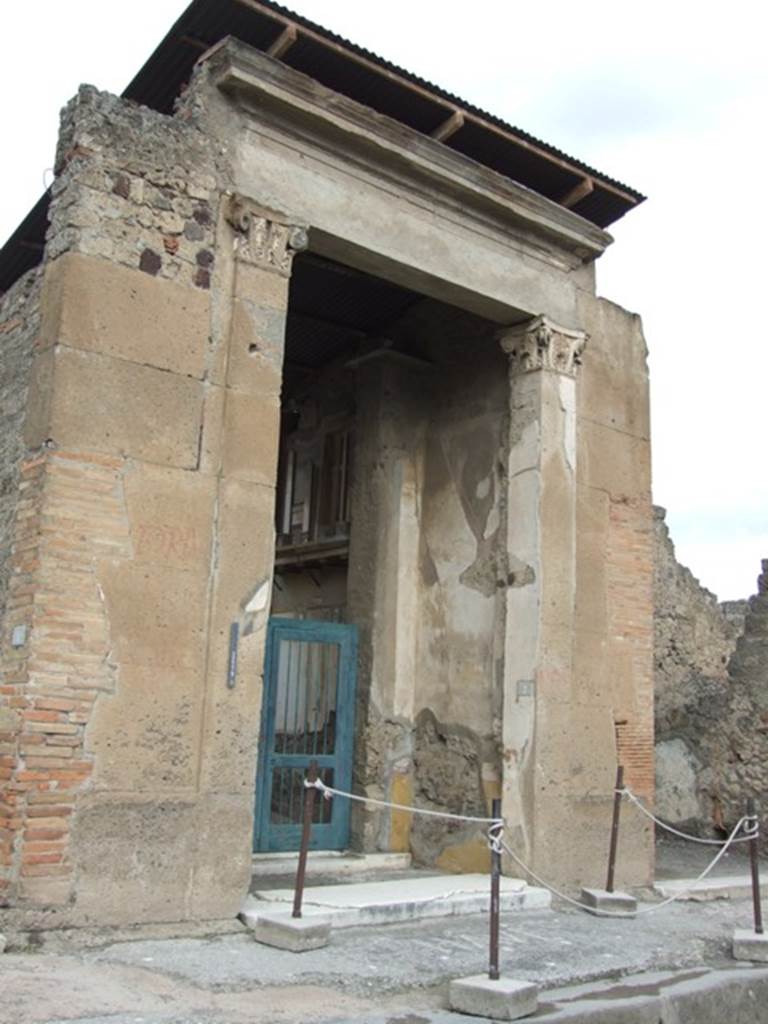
column 296, row 934
column 504, row 999
column 598, row 900
column 748, row 945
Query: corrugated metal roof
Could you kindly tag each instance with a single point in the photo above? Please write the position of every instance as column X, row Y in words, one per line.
column 363, row 76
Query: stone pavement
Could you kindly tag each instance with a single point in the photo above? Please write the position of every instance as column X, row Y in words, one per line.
column 396, row 974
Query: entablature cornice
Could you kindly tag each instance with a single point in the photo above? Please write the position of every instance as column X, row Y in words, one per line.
column 268, row 91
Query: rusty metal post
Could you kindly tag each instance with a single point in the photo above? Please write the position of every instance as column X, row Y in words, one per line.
column 493, row 957
column 306, row 831
column 756, row 907
column 615, row 828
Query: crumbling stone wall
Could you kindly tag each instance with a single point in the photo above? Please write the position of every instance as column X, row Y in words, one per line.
column 711, row 672
column 141, row 195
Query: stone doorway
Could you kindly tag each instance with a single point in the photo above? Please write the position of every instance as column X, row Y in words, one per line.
column 393, row 411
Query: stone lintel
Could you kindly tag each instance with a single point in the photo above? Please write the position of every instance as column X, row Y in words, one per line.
column 366, row 137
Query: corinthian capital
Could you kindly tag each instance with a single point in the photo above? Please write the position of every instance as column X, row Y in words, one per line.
column 262, row 240
column 541, row 344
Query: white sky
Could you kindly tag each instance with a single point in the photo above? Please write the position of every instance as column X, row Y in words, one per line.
column 668, row 97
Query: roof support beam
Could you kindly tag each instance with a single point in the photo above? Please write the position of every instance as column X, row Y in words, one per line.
column 420, row 90
column 449, row 127
column 197, row 44
column 578, row 192
column 284, row 41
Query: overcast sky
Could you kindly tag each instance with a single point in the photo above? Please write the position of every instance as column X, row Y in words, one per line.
column 667, row 97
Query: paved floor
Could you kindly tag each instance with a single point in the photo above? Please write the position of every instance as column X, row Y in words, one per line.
column 399, row 972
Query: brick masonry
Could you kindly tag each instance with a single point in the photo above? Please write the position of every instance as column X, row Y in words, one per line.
column 630, row 597
column 71, row 515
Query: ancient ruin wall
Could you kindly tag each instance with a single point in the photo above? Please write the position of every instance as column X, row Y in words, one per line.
column 692, row 644
column 711, row 670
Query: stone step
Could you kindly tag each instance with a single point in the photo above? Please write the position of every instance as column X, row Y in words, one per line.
column 720, row 887
column 398, row 900
column 329, row 864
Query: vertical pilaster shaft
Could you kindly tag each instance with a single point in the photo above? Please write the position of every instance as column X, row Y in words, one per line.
column 541, row 553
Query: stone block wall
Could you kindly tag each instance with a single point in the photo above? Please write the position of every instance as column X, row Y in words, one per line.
column 141, row 530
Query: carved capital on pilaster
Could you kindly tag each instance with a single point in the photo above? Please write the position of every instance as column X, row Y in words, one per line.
column 262, row 240
column 541, row 344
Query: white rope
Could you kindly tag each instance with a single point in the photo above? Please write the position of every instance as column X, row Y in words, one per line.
column 329, row 791
column 749, row 824
column 496, row 837
column 643, row 910
column 750, row 830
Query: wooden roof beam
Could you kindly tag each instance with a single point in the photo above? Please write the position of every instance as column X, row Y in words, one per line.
column 449, row 127
column 194, row 42
column 427, row 94
column 284, row 41
column 577, row 193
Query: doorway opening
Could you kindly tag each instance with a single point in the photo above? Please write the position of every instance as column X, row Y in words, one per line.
column 368, row 368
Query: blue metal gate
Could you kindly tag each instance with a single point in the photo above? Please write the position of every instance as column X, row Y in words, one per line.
column 308, row 714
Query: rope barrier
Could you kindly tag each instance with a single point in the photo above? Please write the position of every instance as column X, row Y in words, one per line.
column 642, row 910
column 748, row 823
column 329, row 791
column 749, row 830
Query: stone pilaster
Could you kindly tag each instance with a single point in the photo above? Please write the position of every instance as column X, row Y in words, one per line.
column 383, row 586
column 541, row 549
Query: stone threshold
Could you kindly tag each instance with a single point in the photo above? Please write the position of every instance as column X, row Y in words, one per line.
column 397, row 900
column 329, row 863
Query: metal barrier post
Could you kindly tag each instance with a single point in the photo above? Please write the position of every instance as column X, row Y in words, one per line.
column 493, row 958
column 756, row 907
column 615, row 828
column 306, row 831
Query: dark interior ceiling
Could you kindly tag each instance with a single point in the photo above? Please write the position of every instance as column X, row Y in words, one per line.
column 333, row 308
column 365, row 77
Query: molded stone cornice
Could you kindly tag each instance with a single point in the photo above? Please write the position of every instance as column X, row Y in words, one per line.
column 344, row 128
column 541, row 344
column 263, row 241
